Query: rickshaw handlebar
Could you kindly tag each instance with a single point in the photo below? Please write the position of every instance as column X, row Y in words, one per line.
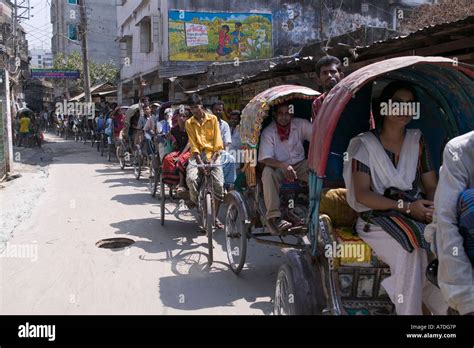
column 205, row 165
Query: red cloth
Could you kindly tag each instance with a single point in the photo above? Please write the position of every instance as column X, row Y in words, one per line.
column 317, row 104
column 284, row 132
column 171, row 168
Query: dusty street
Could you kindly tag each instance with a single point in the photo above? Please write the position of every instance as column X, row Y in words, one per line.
column 69, row 198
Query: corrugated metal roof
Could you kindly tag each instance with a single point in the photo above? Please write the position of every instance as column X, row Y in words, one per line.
column 407, row 42
column 180, row 70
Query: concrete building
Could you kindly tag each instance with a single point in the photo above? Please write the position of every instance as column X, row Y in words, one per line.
column 39, row 94
column 41, row 59
column 101, row 23
column 14, row 71
column 162, row 40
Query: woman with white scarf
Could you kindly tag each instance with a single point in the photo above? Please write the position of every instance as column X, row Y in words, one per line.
column 391, row 183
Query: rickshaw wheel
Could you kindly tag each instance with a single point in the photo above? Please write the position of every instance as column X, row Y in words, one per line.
column 235, row 231
column 297, row 287
column 153, row 184
column 137, row 164
column 109, row 152
column 163, row 198
column 120, row 156
column 208, row 215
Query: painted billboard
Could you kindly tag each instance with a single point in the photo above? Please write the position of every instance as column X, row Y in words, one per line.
column 211, row 36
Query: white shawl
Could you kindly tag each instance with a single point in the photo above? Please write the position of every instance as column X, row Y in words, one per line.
column 367, row 149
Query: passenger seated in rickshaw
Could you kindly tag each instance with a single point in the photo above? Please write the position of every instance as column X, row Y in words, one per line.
column 388, row 174
column 163, row 128
column 176, row 162
column 119, row 121
column 282, row 152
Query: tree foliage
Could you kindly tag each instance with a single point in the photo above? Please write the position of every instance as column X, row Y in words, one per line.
column 99, row 72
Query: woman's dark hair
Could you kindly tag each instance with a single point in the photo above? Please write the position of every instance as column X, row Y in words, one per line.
column 387, row 94
column 327, row 60
column 226, row 27
column 194, row 100
column 393, row 87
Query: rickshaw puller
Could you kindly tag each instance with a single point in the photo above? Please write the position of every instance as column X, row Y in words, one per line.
column 329, row 72
column 282, row 153
column 206, row 144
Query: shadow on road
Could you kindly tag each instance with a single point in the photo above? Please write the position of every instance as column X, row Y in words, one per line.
column 195, row 285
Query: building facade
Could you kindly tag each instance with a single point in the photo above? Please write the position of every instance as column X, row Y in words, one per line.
column 101, row 25
column 41, row 59
column 14, row 71
column 162, row 40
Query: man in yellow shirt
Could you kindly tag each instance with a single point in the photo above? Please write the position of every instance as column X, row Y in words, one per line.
column 24, row 129
column 206, row 144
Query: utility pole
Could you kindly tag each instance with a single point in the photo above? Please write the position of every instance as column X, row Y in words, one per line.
column 85, row 58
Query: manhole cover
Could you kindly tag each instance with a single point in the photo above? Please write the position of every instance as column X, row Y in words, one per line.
column 114, row 243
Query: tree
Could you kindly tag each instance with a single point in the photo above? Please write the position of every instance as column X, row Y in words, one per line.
column 100, row 72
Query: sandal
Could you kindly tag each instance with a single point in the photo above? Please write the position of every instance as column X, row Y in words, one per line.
column 277, row 226
column 180, row 189
column 219, row 225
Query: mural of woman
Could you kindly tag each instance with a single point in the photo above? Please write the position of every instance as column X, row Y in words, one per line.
column 224, row 41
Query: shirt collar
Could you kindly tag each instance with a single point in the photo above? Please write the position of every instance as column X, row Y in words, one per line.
column 207, row 117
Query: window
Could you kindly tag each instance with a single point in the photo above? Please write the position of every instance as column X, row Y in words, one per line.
column 72, row 32
column 72, row 2
column 129, row 45
column 146, row 44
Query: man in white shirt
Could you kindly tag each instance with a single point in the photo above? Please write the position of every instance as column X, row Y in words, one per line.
column 228, row 161
column 455, row 271
column 282, row 153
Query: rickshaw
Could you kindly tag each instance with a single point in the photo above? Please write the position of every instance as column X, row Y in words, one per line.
column 315, row 282
column 128, row 153
column 156, row 179
column 245, row 216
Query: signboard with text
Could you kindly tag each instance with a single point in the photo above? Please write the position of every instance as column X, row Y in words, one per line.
column 55, row 74
column 196, row 35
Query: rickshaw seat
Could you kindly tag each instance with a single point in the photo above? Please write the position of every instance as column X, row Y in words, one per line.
column 342, row 219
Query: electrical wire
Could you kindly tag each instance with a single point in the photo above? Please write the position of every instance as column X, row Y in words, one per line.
column 332, row 27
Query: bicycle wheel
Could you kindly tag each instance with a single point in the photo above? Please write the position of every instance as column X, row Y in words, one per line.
column 120, row 156
column 137, row 164
column 236, row 237
column 209, row 216
column 154, row 181
column 163, row 200
column 109, row 152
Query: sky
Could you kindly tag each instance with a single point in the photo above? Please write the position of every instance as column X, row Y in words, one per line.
column 38, row 28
